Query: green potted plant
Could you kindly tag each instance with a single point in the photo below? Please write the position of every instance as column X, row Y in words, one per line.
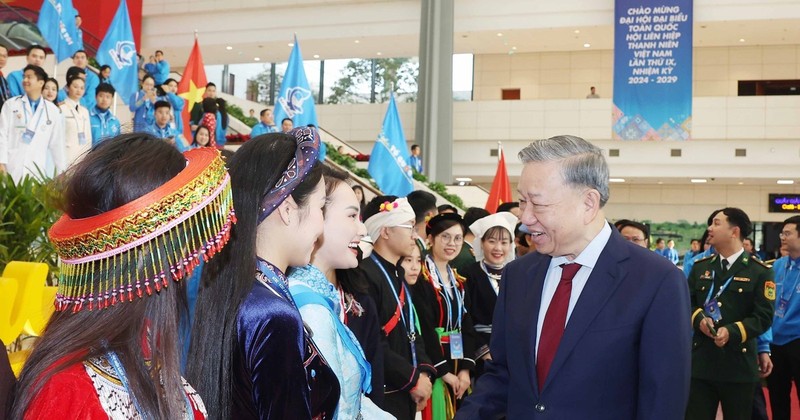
column 27, row 210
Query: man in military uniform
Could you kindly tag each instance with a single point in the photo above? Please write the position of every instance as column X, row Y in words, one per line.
column 732, row 296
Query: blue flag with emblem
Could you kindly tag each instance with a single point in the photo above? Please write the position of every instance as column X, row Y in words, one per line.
column 296, row 100
column 118, row 51
column 388, row 162
column 57, row 25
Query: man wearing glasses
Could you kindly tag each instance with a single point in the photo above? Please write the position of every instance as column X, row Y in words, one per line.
column 408, row 371
column 635, row 232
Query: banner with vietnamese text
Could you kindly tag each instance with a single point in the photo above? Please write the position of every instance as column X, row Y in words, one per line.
column 652, row 70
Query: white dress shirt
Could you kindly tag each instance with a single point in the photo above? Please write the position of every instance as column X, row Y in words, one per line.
column 587, row 259
column 731, row 258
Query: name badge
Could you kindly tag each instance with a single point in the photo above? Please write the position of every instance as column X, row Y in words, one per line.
column 780, row 308
column 27, row 136
column 81, row 138
column 456, row 346
column 712, row 310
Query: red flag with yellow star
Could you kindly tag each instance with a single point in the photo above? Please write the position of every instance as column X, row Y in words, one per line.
column 501, row 187
column 192, row 86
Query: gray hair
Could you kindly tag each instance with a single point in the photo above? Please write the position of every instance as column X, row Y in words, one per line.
column 582, row 163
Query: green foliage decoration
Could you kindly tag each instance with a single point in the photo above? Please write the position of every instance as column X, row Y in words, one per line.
column 236, row 112
column 27, row 210
column 350, row 164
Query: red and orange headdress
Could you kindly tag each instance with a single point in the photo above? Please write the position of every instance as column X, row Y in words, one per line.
column 134, row 249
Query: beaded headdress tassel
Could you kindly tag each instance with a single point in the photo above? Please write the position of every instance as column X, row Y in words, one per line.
column 131, row 251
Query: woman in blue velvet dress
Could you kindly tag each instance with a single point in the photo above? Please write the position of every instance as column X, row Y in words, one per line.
column 250, row 353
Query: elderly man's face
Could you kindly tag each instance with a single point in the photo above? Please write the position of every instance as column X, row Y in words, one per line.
column 555, row 213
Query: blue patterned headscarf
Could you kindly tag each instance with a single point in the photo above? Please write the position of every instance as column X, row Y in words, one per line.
column 305, row 157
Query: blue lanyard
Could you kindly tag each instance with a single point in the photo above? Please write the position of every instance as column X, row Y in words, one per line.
column 113, row 359
column 33, row 112
column 722, row 289
column 789, row 267
column 271, row 276
column 411, row 333
column 459, row 301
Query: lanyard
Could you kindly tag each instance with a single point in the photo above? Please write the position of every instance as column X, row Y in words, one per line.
column 722, row 289
column 270, row 276
column 789, row 267
column 103, row 117
column 77, row 116
column 458, row 297
column 33, row 112
column 411, row 332
column 113, row 359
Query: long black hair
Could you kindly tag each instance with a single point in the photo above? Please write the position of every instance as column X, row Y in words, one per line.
column 227, row 279
column 114, row 173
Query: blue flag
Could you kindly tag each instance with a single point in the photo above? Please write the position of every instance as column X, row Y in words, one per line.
column 388, row 163
column 296, row 100
column 57, row 25
column 119, row 52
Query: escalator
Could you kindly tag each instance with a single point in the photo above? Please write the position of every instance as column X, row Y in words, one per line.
column 18, row 29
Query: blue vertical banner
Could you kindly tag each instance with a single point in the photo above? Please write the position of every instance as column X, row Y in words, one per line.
column 388, row 162
column 118, row 51
column 295, row 100
column 57, row 25
column 652, row 70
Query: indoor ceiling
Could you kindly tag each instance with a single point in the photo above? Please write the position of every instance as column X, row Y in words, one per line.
column 513, row 41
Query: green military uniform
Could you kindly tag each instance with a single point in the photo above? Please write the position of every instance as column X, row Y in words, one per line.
column 728, row 374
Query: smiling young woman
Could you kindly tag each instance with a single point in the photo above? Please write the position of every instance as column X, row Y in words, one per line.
column 494, row 248
column 328, row 300
column 446, row 326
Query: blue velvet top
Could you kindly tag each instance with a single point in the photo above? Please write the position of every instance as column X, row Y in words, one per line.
column 269, row 362
column 278, row 372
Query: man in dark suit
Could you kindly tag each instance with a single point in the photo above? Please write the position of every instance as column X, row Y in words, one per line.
column 590, row 326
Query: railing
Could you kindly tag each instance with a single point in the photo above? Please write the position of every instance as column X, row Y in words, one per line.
column 342, row 142
column 355, row 178
column 23, row 22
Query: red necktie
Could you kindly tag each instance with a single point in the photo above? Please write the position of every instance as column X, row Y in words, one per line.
column 554, row 321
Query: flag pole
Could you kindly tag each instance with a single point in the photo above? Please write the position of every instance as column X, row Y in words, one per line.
column 55, row 56
column 499, row 150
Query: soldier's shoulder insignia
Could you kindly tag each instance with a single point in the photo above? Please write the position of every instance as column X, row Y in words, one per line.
column 761, row 263
column 705, row 258
column 769, row 290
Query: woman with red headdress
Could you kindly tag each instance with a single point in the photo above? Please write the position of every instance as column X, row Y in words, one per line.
column 138, row 218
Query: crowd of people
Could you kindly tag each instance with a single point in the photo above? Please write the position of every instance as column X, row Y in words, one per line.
column 44, row 137
column 268, row 287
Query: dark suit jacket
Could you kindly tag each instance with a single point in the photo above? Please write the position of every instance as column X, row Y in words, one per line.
column 625, row 353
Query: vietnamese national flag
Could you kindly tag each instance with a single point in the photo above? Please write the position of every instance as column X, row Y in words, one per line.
column 192, row 86
column 501, row 187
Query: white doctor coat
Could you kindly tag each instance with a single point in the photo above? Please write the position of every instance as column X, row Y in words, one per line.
column 29, row 156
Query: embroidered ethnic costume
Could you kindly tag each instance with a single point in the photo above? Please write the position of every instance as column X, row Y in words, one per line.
column 139, row 246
